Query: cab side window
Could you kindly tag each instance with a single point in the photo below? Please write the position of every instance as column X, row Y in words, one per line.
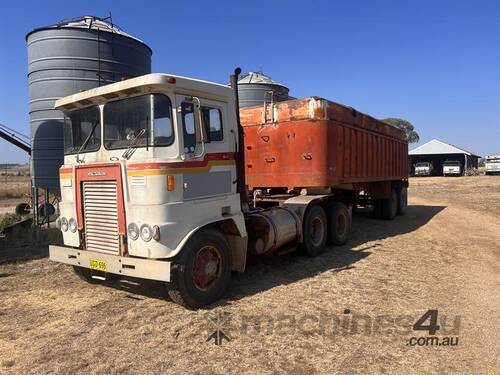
column 212, row 119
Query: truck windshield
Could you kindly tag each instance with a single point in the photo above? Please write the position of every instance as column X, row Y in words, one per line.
column 492, row 160
column 125, row 119
column 82, row 130
column 452, row 163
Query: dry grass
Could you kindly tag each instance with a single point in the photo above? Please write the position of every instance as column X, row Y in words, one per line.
column 14, row 187
column 443, row 254
column 480, row 193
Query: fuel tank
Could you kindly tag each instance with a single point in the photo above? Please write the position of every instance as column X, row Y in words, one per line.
column 271, row 229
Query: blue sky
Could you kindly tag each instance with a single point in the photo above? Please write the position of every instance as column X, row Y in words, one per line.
column 434, row 63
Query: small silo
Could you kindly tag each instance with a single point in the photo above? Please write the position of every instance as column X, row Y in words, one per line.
column 256, row 88
column 64, row 59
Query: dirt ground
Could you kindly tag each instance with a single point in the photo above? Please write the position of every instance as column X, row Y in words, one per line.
column 349, row 311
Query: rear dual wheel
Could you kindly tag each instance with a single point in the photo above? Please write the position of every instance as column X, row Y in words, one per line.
column 339, row 223
column 390, row 206
column 394, row 205
column 314, row 231
column 402, row 200
column 320, row 227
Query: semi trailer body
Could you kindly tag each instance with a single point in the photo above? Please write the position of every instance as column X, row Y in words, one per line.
column 160, row 181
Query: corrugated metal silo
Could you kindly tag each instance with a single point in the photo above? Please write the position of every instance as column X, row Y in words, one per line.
column 256, row 88
column 64, row 59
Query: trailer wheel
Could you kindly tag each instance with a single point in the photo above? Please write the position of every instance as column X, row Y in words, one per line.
column 402, row 200
column 377, row 208
column 202, row 271
column 390, row 206
column 315, row 231
column 339, row 224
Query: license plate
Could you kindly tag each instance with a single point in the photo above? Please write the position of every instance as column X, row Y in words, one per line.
column 98, row 265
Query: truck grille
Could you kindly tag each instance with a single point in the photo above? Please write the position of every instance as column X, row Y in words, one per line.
column 100, row 210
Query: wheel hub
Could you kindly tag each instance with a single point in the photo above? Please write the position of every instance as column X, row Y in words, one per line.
column 207, row 267
column 317, row 231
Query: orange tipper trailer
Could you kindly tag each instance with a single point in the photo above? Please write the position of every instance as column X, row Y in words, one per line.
column 314, row 143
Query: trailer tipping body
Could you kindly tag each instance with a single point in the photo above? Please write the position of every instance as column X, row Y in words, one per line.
column 314, row 142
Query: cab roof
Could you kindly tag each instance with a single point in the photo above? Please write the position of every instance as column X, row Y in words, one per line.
column 144, row 84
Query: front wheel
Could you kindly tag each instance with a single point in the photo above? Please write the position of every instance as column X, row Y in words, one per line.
column 202, row 270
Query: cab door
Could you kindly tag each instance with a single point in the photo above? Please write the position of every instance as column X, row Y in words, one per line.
column 210, row 162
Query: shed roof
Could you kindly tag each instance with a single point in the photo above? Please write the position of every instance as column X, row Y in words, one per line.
column 438, row 147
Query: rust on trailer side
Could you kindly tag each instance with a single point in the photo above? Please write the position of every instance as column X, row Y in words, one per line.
column 313, row 142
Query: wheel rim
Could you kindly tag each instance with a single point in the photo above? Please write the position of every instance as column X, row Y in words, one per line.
column 317, row 232
column 341, row 225
column 207, row 267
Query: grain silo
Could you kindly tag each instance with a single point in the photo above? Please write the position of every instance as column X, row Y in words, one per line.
column 257, row 88
column 64, row 59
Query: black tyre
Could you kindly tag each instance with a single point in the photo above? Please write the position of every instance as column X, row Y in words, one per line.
column 402, row 200
column 315, row 231
column 390, row 206
column 339, row 223
column 377, row 208
column 202, row 270
column 23, row 209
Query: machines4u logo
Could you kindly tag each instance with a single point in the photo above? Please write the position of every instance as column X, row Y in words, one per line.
column 429, row 323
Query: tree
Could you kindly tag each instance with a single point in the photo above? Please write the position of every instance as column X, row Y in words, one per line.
column 406, row 126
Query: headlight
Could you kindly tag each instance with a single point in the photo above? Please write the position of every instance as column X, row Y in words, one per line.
column 133, row 231
column 72, row 225
column 64, row 224
column 146, row 232
column 156, row 232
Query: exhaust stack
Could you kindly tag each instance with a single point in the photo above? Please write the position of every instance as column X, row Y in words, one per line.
column 240, row 154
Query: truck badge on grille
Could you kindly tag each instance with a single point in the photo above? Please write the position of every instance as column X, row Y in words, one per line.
column 97, row 173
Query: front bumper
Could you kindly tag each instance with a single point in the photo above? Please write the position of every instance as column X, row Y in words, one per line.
column 126, row 266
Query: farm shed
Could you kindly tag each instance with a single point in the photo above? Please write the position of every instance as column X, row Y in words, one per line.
column 437, row 152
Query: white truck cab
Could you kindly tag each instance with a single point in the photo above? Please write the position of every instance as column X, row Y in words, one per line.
column 452, row 168
column 141, row 177
column 423, row 168
column 492, row 164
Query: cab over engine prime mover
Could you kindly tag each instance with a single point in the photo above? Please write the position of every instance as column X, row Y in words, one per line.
column 158, row 184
